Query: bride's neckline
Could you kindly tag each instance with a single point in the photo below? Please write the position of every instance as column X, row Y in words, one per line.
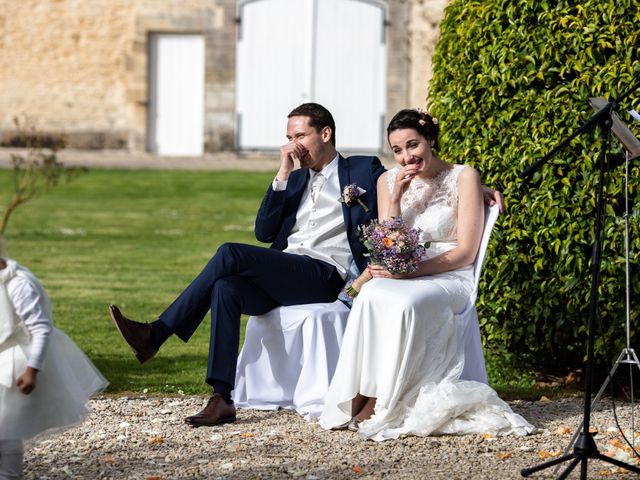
column 448, row 168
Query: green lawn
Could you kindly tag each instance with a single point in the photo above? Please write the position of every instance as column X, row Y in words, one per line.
column 137, row 238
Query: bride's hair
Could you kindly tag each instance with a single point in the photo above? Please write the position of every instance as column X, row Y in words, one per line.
column 420, row 121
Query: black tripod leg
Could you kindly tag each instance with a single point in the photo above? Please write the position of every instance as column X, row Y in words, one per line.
column 571, row 466
column 617, row 463
column 584, row 467
column 525, row 472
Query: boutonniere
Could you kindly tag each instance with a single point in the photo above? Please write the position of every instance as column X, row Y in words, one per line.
column 351, row 195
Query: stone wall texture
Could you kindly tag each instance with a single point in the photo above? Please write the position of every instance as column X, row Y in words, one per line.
column 63, row 64
column 424, row 32
column 79, row 67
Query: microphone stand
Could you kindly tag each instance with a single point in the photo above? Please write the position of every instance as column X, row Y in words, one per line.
column 628, row 354
column 585, row 447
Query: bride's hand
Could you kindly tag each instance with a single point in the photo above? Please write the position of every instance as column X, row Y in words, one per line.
column 378, row 271
column 357, row 284
column 403, row 179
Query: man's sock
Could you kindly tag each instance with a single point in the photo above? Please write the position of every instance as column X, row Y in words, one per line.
column 159, row 333
column 223, row 389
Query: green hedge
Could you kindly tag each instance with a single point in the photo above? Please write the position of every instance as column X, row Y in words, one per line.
column 512, row 79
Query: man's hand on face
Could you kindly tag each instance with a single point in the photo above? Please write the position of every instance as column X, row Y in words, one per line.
column 289, row 153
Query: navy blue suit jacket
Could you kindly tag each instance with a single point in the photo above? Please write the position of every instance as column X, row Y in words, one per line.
column 277, row 214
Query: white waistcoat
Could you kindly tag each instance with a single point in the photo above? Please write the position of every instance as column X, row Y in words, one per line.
column 319, row 231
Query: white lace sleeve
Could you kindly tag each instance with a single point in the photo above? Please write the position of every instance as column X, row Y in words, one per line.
column 391, row 178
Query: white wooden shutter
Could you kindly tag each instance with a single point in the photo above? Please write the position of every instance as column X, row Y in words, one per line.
column 273, row 70
column 327, row 51
column 177, row 94
column 351, row 71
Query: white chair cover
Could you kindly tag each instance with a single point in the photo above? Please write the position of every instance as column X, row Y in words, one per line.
column 290, row 353
column 289, row 356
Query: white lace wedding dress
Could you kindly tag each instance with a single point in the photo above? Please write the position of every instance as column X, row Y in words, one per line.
column 403, row 343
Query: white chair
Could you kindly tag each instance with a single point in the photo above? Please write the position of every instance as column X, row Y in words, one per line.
column 290, row 353
column 289, row 356
column 474, row 367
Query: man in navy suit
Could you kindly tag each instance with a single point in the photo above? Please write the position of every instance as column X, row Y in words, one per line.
column 314, row 240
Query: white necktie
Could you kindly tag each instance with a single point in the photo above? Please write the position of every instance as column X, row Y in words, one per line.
column 316, row 185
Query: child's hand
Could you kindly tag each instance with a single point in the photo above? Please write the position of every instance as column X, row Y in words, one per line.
column 27, row 381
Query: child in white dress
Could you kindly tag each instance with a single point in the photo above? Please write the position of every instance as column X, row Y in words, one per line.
column 45, row 379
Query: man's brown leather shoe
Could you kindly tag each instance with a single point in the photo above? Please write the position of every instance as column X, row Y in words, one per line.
column 136, row 334
column 216, row 412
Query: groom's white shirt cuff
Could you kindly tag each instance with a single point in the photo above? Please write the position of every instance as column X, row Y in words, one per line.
column 279, row 185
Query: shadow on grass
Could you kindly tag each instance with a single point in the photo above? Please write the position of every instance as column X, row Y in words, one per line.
column 163, row 374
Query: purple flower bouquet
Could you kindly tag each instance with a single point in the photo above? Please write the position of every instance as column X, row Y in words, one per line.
column 393, row 244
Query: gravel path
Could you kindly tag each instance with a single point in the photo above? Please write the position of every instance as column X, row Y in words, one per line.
column 144, row 437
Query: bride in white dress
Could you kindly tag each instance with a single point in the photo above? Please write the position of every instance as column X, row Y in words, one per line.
column 401, row 356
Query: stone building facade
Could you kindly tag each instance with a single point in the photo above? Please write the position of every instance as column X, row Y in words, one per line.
column 81, row 67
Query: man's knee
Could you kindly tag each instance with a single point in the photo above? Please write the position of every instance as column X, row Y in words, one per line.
column 225, row 259
column 229, row 249
column 229, row 253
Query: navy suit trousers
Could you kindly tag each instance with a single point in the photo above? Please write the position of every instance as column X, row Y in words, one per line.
column 251, row 280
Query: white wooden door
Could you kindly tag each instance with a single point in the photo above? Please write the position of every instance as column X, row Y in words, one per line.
column 351, row 71
column 272, row 69
column 327, row 51
column 176, row 84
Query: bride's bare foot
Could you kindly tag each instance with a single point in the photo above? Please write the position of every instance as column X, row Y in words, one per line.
column 363, row 414
column 358, row 403
column 367, row 410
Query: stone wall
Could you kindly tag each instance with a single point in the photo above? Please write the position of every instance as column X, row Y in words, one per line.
column 398, row 57
column 424, row 32
column 63, row 66
column 79, row 67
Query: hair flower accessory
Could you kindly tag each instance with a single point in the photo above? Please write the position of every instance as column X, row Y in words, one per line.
column 351, row 195
column 424, row 113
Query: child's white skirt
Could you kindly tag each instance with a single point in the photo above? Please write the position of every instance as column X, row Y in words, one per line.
column 66, row 381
